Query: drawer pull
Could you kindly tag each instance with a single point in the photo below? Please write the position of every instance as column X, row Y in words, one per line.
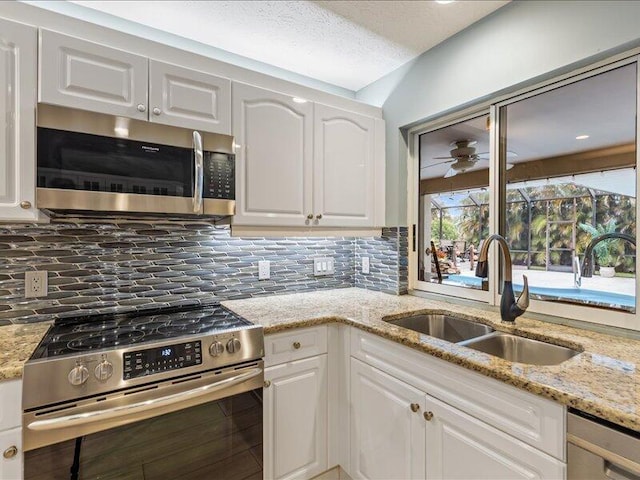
column 10, row 452
column 267, row 383
column 415, row 407
column 296, row 345
column 428, row 416
column 26, row 205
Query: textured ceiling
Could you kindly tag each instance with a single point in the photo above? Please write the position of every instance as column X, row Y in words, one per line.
column 346, row 43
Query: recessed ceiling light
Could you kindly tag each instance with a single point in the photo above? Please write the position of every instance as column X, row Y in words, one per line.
column 444, row 2
column 299, row 100
column 582, row 137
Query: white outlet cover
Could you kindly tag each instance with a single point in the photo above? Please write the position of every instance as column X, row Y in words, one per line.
column 264, row 269
column 365, row 265
column 36, row 284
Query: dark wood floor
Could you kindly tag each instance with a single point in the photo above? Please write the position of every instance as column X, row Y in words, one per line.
column 217, row 440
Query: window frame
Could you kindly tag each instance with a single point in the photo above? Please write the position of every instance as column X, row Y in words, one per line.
column 585, row 313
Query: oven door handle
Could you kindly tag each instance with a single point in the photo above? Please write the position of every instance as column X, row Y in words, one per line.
column 125, row 410
column 198, row 163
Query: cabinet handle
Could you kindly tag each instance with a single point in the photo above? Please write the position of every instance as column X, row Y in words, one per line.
column 10, row 452
column 319, row 216
column 25, row 205
column 428, row 416
column 310, row 216
column 157, row 111
column 415, row 407
column 267, row 383
column 296, row 345
column 142, row 108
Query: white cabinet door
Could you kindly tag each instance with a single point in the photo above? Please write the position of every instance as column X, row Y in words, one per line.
column 273, row 159
column 80, row 74
column 295, row 419
column 344, row 168
column 11, row 460
column 462, row 447
column 387, row 435
column 18, row 67
column 188, row 98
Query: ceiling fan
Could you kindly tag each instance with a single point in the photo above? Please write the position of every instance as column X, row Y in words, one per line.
column 463, row 156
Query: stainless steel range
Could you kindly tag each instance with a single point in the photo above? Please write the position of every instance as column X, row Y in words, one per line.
column 95, row 380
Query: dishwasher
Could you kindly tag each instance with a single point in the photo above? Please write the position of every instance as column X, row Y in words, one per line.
column 598, row 450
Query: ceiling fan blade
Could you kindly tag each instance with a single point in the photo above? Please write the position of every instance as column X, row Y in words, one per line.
column 450, row 173
column 443, row 158
column 510, row 154
column 439, row 163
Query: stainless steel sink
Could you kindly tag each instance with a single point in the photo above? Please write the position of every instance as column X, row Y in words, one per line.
column 446, row 327
column 521, row 350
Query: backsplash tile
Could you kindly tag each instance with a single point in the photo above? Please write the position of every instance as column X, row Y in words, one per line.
column 112, row 266
column 387, row 267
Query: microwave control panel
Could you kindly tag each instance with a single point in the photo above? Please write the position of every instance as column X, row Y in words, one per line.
column 219, row 176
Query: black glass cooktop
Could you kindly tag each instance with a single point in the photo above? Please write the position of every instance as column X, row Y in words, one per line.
column 97, row 332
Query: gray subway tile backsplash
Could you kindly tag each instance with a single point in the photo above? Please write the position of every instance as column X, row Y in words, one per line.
column 113, row 266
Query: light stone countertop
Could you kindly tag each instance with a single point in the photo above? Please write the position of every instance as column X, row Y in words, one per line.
column 604, row 380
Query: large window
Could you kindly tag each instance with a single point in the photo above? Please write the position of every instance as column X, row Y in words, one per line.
column 551, row 170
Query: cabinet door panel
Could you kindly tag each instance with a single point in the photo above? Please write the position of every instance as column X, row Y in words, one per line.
column 344, row 168
column 273, row 176
column 295, row 421
column 18, row 47
column 387, row 436
column 80, row 74
column 188, row 98
column 462, row 447
column 11, row 468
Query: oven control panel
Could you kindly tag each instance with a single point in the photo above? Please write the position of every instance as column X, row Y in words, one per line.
column 140, row 363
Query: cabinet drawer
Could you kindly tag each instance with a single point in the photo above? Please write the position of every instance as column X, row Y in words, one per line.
column 10, row 404
column 536, row 421
column 295, row 344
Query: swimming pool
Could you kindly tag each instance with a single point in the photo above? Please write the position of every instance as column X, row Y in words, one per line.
column 577, row 295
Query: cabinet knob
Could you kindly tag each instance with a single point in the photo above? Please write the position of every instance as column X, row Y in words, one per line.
column 10, row 452
column 428, row 416
column 310, row 216
column 142, row 108
column 319, row 216
column 415, row 407
column 157, row 111
column 25, row 204
column 296, row 345
column 267, row 383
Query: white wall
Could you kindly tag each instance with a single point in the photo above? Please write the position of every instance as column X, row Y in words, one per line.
column 522, row 43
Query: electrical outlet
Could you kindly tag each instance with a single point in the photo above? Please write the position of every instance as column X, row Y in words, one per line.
column 323, row 266
column 365, row 265
column 36, row 284
column 264, row 269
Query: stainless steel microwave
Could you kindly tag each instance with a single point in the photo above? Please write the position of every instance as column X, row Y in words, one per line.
column 88, row 161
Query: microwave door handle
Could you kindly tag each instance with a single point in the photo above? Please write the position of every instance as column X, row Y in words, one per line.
column 80, row 419
column 198, row 164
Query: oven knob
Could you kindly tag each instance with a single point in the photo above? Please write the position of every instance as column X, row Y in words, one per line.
column 78, row 375
column 216, row 349
column 233, row 345
column 103, row 370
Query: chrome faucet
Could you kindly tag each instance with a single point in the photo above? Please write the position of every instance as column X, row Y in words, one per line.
column 587, row 264
column 510, row 309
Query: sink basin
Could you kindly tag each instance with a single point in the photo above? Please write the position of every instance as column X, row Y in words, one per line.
column 521, row 350
column 445, row 327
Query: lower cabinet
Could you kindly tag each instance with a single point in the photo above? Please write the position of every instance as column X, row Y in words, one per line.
column 11, row 461
column 398, row 431
column 295, row 419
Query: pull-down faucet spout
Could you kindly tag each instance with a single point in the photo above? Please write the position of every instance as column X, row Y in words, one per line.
column 587, row 264
column 510, row 309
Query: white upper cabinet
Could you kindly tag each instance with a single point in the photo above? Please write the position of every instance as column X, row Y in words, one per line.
column 179, row 96
column 18, row 67
column 305, row 164
column 274, row 137
column 344, row 168
column 80, row 74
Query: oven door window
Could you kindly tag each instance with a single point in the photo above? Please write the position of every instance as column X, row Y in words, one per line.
column 217, row 440
column 80, row 161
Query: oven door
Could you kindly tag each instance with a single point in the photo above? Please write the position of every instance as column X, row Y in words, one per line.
column 200, row 426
